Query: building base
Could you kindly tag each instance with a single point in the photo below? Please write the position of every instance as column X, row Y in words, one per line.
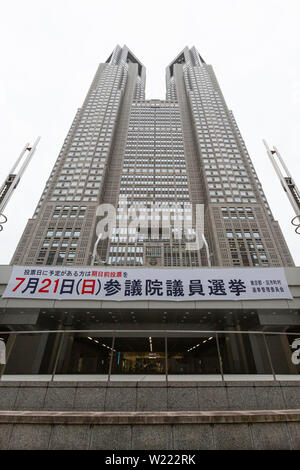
column 150, row 415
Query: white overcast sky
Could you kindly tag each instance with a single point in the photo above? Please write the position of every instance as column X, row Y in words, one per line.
column 51, row 49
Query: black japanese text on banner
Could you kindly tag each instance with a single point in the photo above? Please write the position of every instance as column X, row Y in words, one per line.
column 98, row 283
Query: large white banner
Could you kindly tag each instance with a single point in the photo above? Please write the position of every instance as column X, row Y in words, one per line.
column 97, row 283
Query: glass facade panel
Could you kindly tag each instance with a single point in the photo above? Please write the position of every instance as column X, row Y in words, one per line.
column 284, row 355
column 244, row 354
column 30, row 353
column 197, row 355
column 200, row 354
column 84, row 353
column 139, row 356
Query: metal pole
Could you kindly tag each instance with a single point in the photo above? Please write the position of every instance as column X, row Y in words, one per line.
column 220, row 357
column 287, row 183
column 269, row 357
column 111, row 359
column 58, row 353
column 17, row 176
column 28, row 158
column 275, row 166
column 166, row 359
column 20, row 158
column 282, row 162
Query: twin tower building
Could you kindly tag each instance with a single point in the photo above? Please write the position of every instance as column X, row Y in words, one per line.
column 181, row 152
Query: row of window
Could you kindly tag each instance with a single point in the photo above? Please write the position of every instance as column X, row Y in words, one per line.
column 67, row 233
column 241, row 234
column 237, row 213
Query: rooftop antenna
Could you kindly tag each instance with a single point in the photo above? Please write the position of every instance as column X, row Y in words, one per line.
column 13, row 178
column 287, row 182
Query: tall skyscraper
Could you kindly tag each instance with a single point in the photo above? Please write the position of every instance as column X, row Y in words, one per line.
column 186, row 149
column 174, row 343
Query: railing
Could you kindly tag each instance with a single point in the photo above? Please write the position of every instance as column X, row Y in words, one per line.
column 152, row 354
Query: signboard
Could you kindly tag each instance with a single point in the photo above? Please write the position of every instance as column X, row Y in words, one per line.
column 98, row 283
